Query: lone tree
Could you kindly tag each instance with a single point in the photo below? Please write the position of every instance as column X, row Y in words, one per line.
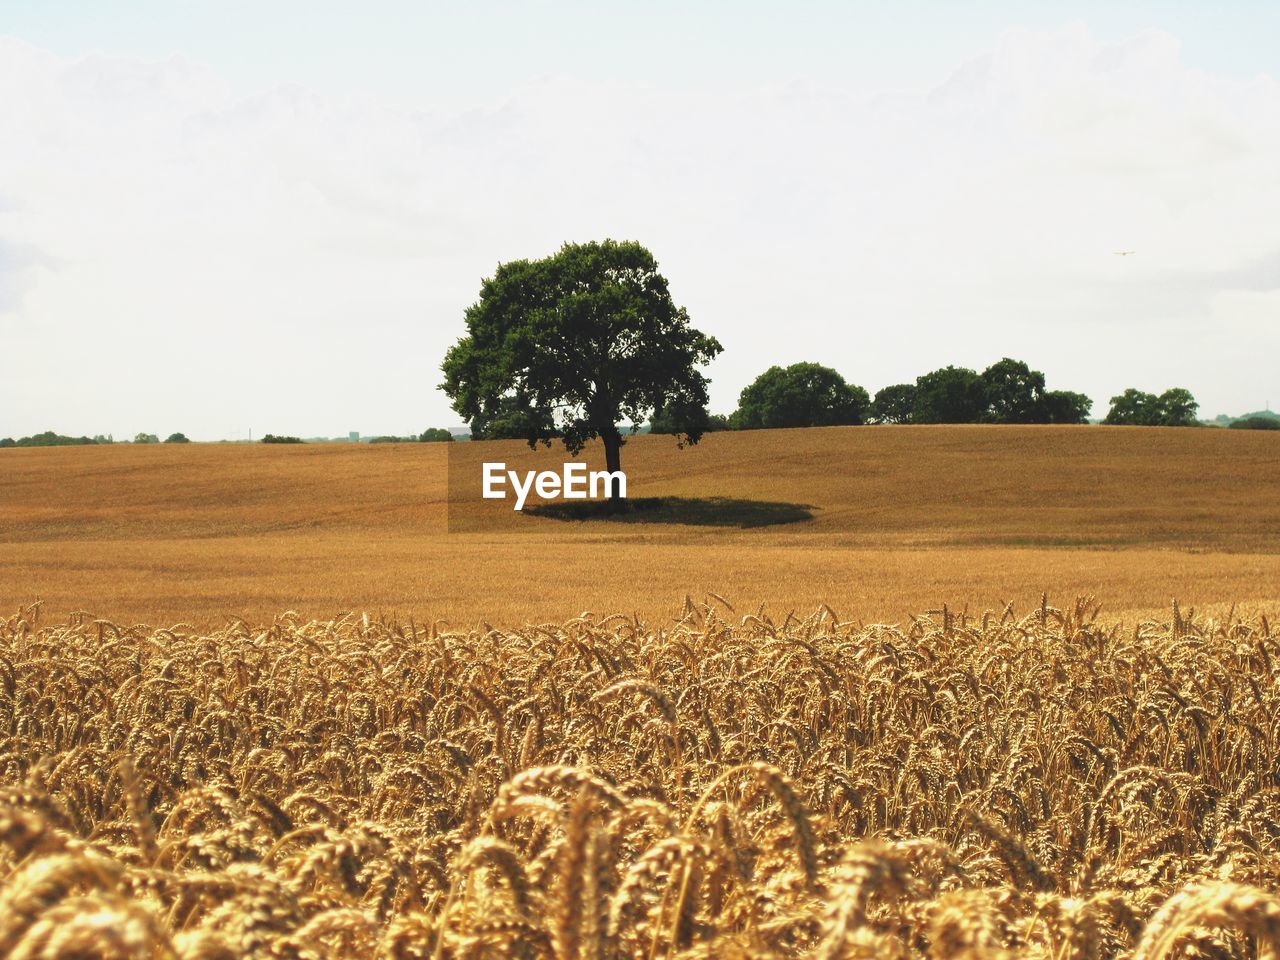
column 578, row 342
column 801, row 395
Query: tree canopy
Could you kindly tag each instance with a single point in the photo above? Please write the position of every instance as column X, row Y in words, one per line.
column 950, row 395
column 177, row 438
column 1014, row 393
column 47, row 439
column 512, row 418
column 1065, row 406
column 1176, row 407
column 894, row 403
column 801, row 395
column 577, row 343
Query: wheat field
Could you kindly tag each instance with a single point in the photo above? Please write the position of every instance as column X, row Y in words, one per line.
column 902, row 518
column 870, row 734
column 1019, row 783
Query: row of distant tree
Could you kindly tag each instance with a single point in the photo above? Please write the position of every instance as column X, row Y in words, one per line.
column 430, row 435
column 51, row 439
column 1175, row 407
column 812, row 395
column 1262, row 420
column 1008, row 391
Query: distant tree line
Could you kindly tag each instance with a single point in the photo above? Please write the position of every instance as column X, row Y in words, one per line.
column 1266, row 419
column 1175, row 407
column 812, row 395
column 1255, row 423
column 51, row 439
column 430, row 435
column 1008, row 391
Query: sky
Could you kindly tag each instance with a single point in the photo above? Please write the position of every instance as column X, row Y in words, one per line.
column 218, row 217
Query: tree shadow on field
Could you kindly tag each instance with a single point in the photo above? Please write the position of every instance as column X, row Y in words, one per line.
column 690, row 511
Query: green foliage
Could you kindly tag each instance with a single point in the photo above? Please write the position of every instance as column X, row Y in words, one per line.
column 801, row 395
column 1255, row 423
column 46, row 439
column 435, row 435
column 1064, row 406
column 675, row 423
column 390, row 439
column 1175, row 407
column 1259, row 415
column 177, row 438
column 272, row 438
column 1178, row 408
column 1014, row 393
column 950, row 395
column 574, row 344
column 894, row 403
column 146, row 438
column 512, row 418
column 1133, row 408
column 1006, row 392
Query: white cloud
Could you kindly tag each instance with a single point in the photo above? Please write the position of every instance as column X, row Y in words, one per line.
column 174, row 257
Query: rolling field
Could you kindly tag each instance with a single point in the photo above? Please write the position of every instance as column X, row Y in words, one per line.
column 899, row 520
column 909, row 768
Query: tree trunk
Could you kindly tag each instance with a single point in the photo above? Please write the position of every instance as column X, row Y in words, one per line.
column 612, row 440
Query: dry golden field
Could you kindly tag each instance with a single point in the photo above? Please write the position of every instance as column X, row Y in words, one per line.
column 903, row 518
column 910, row 767
column 722, row 786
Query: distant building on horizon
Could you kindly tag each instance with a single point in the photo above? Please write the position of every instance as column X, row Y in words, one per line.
column 353, row 436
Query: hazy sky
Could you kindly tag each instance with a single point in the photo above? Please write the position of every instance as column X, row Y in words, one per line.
column 217, row 216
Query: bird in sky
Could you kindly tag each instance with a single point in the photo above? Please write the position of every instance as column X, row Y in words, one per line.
column 1124, row 253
